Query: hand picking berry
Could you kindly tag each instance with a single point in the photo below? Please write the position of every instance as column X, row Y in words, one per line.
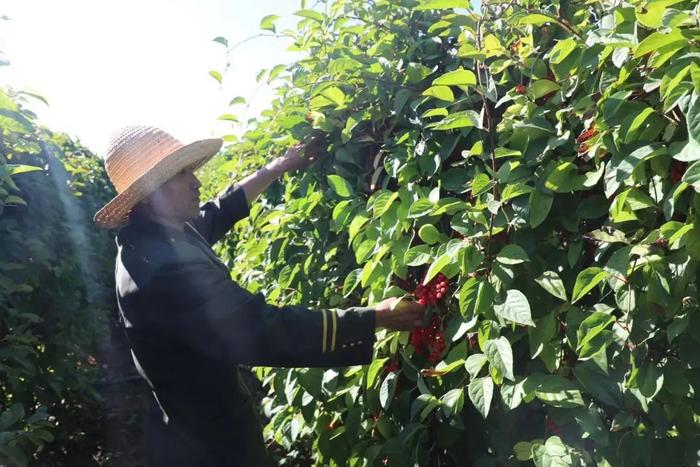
column 435, row 290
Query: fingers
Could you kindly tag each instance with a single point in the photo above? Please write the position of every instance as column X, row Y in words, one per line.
column 399, row 314
column 295, row 150
column 412, row 313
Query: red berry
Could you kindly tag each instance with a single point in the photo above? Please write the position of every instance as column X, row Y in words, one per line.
column 553, row 427
column 392, row 366
column 520, row 89
column 677, row 170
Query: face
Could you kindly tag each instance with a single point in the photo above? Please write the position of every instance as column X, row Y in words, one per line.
column 177, row 199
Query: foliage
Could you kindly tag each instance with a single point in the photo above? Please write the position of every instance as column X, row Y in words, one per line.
column 544, row 156
column 55, row 276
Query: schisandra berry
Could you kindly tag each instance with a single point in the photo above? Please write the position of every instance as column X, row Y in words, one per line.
column 435, row 290
column 520, row 89
column 429, row 341
column 676, row 171
column 553, row 427
column 392, row 366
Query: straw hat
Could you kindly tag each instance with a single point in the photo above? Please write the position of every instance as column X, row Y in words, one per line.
column 139, row 159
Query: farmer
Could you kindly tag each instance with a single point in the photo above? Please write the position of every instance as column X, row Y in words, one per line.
column 188, row 324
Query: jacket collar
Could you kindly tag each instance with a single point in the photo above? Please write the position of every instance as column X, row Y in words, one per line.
column 141, row 223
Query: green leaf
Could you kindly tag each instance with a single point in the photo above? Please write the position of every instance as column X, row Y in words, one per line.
column 268, row 23
column 542, row 334
column 387, row 389
column 591, row 327
column 373, row 370
column 558, row 392
column 689, row 153
column 340, row 186
column 437, row 112
column 439, row 4
column 592, row 426
column 383, row 202
column 480, row 393
column 221, row 40
column 417, row 255
column 13, row 200
column 475, row 363
column 658, row 40
column 216, row 75
column 438, row 265
column 459, row 77
column 516, row 308
column 631, row 161
column 677, row 326
column 275, row 72
column 586, row 280
column 551, row 282
column 561, row 50
column 653, row 14
column 335, row 95
column 467, row 299
column 429, row 234
column 440, row 92
column 237, row 100
column 536, row 19
column 16, row 169
column 452, row 402
column 512, row 254
column 500, row 355
column 638, row 120
column 464, row 119
column 228, row 118
column 540, row 205
column 310, row 14
column 562, row 179
column 523, row 450
column 598, row 384
column 480, row 184
column 542, row 87
column 420, row 208
column 355, row 225
column 650, row 380
column 352, row 280
column 693, row 119
column 400, row 100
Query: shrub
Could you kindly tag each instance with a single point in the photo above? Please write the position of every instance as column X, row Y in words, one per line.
column 543, row 156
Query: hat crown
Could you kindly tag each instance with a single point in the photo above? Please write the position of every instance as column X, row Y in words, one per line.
column 133, row 150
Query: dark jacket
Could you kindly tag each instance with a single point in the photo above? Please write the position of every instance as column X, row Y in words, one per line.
column 189, row 326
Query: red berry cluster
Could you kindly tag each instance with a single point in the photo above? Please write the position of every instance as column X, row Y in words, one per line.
column 429, row 341
column 677, row 170
column 553, row 427
column 393, row 365
column 434, row 291
column 520, row 89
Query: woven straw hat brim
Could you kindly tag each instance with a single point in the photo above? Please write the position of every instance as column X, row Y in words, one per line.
column 194, row 155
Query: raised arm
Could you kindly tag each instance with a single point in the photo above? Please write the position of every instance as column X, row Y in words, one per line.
column 257, row 182
column 218, row 216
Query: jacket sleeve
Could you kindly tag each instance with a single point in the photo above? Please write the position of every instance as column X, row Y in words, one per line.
column 213, row 315
column 216, row 217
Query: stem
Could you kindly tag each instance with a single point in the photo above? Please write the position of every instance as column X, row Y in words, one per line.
column 247, row 39
column 561, row 22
